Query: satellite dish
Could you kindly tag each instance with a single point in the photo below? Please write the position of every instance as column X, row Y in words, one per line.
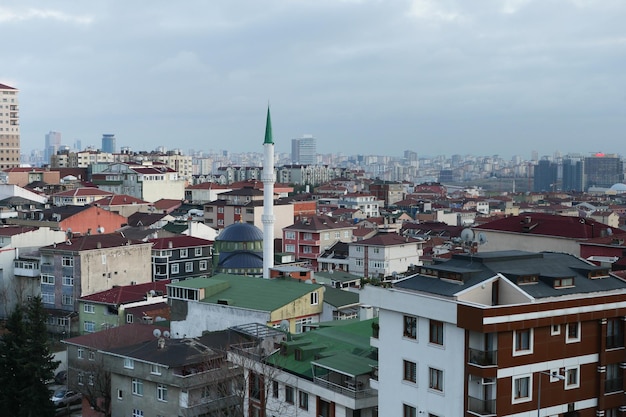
column 467, row 235
column 308, row 281
column 166, row 333
column 156, row 333
column 100, row 229
column 394, row 274
column 284, row 325
column 609, row 231
column 152, row 293
column 482, row 239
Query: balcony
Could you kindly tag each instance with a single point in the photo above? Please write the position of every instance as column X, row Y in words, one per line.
column 348, row 388
column 47, row 268
column 481, row 407
column 27, row 270
column 483, row 357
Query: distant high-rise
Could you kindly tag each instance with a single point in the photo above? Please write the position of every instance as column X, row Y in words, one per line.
column 9, row 127
column 603, row 170
column 545, row 176
column 52, row 145
column 573, row 174
column 108, row 143
column 304, row 150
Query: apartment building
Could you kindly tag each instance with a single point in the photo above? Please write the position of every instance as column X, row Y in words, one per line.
column 9, row 127
column 507, row 333
column 385, row 255
column 180, row 257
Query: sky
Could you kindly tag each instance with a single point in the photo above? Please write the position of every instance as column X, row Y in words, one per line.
column 479, row 77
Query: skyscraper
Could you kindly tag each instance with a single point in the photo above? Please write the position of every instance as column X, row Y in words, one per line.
column 52, row 145
column 304, row 150
column 545, row 176
column 603, row 170
column 108, row 143
column 573, row 174
column 9, row 127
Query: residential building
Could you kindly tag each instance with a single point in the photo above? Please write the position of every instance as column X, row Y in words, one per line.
column 9, row 127
column 51, row 146
column 386, row 256
column 65, row 158
column 146, row 182
column 506, row 333
column 205, row 192
column 323, row 373
column 79, row 196
column 22, row 176
column 304, row 150
column 108, row 308
column 124, row 205
column 573, row 174
column 222, row 301
column 367, row 203
column 389, row 192
column 86, row 265
column 545, row 178
column 180, row 257
column 310, row 237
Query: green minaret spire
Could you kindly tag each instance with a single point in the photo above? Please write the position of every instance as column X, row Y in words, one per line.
column 268, row 129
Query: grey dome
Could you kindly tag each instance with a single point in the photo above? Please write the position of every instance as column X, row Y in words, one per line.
column 240, row 232
column 619, row 187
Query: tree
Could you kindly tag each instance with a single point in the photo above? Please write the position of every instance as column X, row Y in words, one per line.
column 26, row 363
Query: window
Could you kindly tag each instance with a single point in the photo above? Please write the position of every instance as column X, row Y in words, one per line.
column 92, row 355
column 436, row 332
column 290, row 235
column 90, row 379
column 614, row 333
column 300, row 323
column 80, row 353
column 155, row 369
column 137, row 386
column 183, row 253
column 137, row 413
column 521, row 389
column 410, row 327
column 522, row 342
column 129, row 363
column 202, row 265
column 68, row 281
column 337, row 235
column 255, row 386
column 346, row 234
column 410, row 371
column 307, row 236
column 326, row 236
column 67, row 261
column 307, row 249
column 613, row 381
column 220, row 209
column 188, row 266
column 47, row 279
column 174, row 268
column 303, row 400
column 572, row 379
column 408, row 411
column 129, row 318
column 161, row 392
column 120, row 394
column 275, row 389
column 435, row 379
column 198, row 251
column 572, row 334
column 555, row 329
column 89, row 308
column 89, row 326
column 315, row 298
column 67, row 300
column 80, row 378
column 290, row 248
column 288, row 394
column 47, row 298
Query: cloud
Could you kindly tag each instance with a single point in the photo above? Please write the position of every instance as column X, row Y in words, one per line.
column 12, row 16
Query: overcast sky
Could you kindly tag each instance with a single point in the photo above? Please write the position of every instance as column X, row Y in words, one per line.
column 476, row 77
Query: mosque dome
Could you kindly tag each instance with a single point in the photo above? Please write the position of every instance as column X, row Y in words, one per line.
column 240, row 232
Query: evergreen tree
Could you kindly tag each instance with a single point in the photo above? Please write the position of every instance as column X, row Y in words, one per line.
column 26, row 363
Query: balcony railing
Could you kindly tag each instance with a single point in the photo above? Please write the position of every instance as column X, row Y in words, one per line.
column 482, row 407
column 613, row 385
column 483, row 357
column 348, row 389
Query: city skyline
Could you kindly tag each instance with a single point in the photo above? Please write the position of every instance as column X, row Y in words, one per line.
column 433, row 77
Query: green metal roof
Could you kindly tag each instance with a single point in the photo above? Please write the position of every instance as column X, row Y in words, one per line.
column 250, row 292
column 268, row 129
column 341, row 345
column 340, row 298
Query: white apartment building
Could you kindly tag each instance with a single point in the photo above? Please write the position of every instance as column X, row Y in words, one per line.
column 367, row 203
column 384, row 255
column 9, row 127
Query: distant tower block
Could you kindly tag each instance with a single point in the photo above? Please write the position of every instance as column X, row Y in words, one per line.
column 108, row 143
column 268, row 198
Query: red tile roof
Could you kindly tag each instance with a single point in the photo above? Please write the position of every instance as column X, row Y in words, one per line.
column 167, row 204
column 91, row 242
column 119, row 200
column 549, row 225
column 127, row 293
column 15, row 230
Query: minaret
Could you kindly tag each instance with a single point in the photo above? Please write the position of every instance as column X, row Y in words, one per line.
column 268, row 198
